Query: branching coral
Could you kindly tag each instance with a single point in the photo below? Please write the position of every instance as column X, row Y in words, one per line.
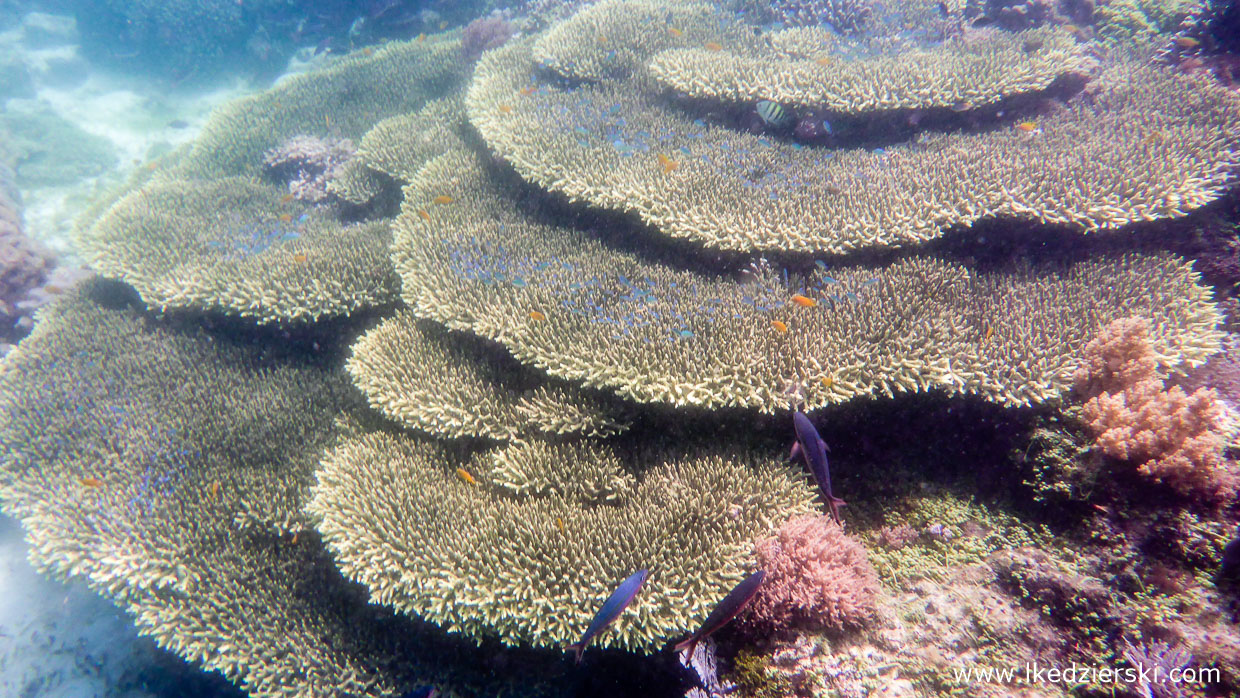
column 816, row 577
column 1171, row 436
column 531, row 563
column 343, row 101
column 964, row 72
column 1149, row 144
column 615, row 37
column 588, row 313
column 234, row 244
column 398, row 146
column 454, row 386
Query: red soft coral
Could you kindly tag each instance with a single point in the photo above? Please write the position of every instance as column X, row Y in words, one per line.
column 1171, row 436
column 816, row 577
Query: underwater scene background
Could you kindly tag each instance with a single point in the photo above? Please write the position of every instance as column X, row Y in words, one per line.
column 399, row 348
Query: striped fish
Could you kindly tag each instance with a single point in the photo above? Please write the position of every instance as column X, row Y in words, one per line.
column 773, row 114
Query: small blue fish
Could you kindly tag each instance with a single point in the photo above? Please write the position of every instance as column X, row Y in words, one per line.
column 773, row 114
column 732, row 604
column 611, row 609
column 813, row 449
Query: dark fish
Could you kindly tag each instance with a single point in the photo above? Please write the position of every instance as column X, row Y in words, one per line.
column 943, row 11
column 424, row 692
column 810, row 446
column 1230, row 567
column 178, row 123
column 612, row 608
column 732, row 604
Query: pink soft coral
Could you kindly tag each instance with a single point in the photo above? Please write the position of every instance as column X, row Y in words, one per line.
column 816, row 577
column 1173, row 437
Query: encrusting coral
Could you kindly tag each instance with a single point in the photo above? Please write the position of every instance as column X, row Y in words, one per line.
column 586, row 312
column 309, row 164
column 238, row 245
column 962, row 73
column 454, row 386
column 816, row 577
column 1171, row 436
column 1148, row 144
column 487, row 556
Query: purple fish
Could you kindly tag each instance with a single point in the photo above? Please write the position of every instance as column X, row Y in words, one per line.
column 810, row 446
column 612, row 608
column 732, row 604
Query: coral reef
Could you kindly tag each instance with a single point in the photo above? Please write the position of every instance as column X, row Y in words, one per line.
column 530, row 564
column 308, row 164
column 23, row 264
column 585, row 312
column 966, row 72
column 816, row 577
column 1148, row 144
column 453, row 386
column 843, row 15
column 238, row 245
column 1171, row 436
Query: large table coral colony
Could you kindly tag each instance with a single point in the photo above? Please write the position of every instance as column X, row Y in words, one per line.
column 501, row 483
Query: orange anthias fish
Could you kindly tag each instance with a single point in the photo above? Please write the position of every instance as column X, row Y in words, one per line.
column 421, row 38
column 442, row 199
column 424, row 214
column 286, row 198
column 1187, row 42
column 1027, row 127
column 667, row 163
column 91, row 482
column 527, row 90
column 714, row 46
column 559, row 523
column 780, row 326
column 823, row 60
column 505, row 109
column 804, row 301
column 537, row 316
column 215, row 490
column 300, row 257
column 286, row 218
column 675, row 32
column 465, row 476
column 828, row 381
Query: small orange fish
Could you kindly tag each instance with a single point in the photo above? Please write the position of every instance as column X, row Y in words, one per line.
column 1187, row 42
column 421, row 38
column 667, row 163
column 1027, row 126
column 286, row 218
column 465, row 476
column 505, row 109
column 602, row 39
column 1072, row 29
column 443, row 25
column 300, row 258
column 990, row 332
column 804, row 301
column 442, row 199
column 559, row 523
column 215, row 490
column 424, row 214
column 714, row 46
column 780, row 326
column 368, row 51
column 828, row 381
column 296, row 537
column 152, row 165
column 537, row 316
column 528, row 90
column 823, row 61
column 286, row 198
column 675, row 32
column 91, row 482
column 327, row 120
